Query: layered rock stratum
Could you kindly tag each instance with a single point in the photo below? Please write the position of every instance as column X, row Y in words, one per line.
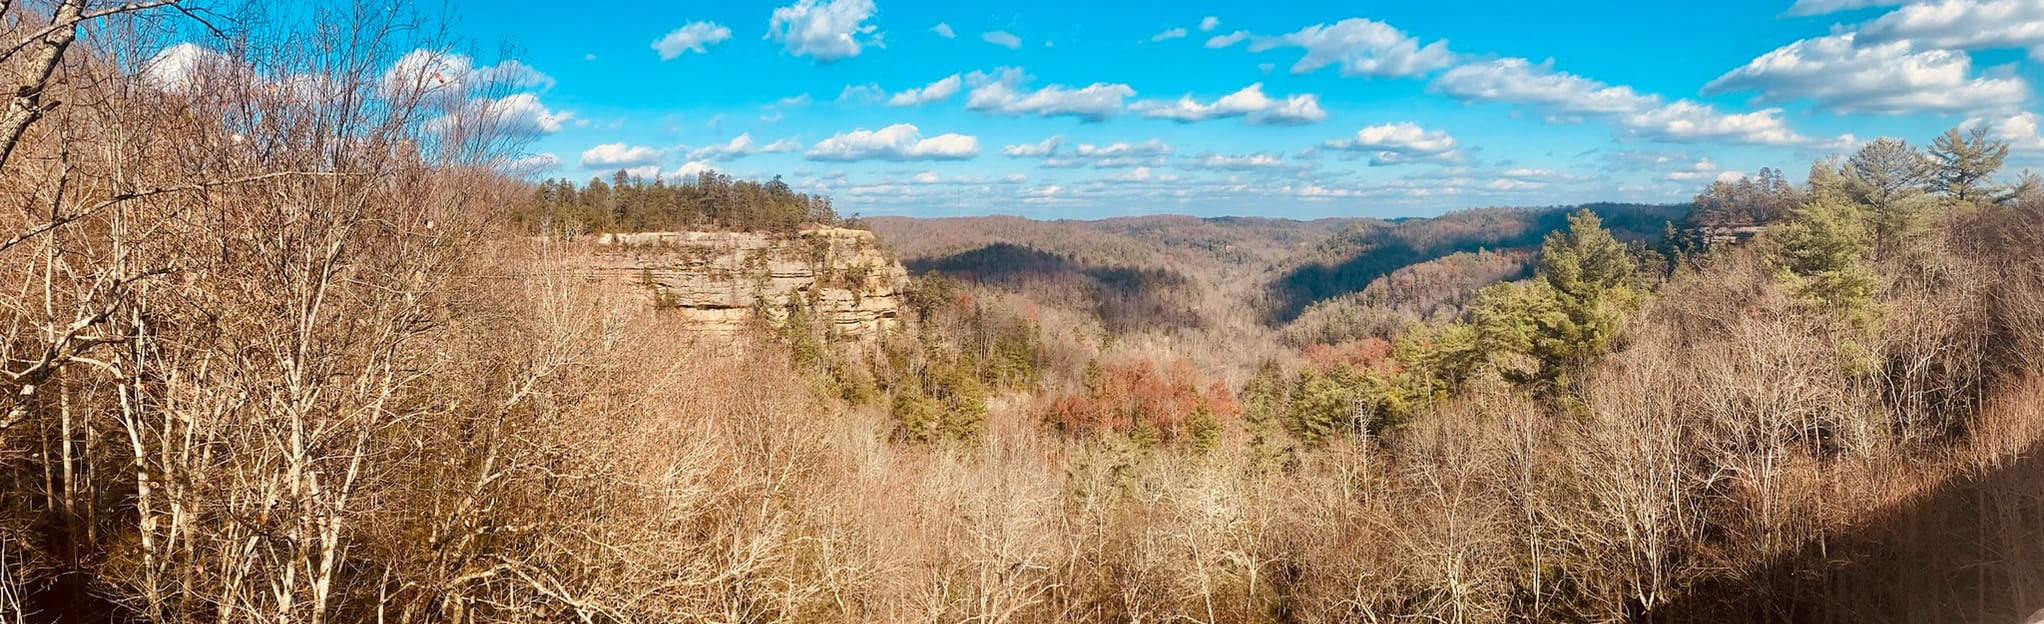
column 720, row 282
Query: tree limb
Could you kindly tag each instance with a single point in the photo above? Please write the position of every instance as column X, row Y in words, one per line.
column 63, row 220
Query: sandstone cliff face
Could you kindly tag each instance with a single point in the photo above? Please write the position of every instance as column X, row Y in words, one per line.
column 719, row 281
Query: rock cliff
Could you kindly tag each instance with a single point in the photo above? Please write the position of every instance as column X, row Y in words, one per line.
column 719, row 281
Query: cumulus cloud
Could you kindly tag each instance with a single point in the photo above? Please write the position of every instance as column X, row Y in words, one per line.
column 1553, row 93
column 1151, row 153
column 1245, row 162
column 1292, row 111
column 1143, row 174
column 185, row 65
column 1002, row 38
column 1564, row 97
column 1689, row 122
column 688, row 170
column 1175, row 33
column 642, row 172
column 516, row 114
column 1362, row 47
column 827, row 30
column 1000, row 93
column 1248, row 102
column 1963, row 25
column 1804, row 8
column 740, row 147
column 1887, row 78
column 428, row 71
column 1636, row 160
column 1208, row 24
column 1222, row 41
column 693, row 37
column 620, row 156
column 1034, row 150
column 531, row 165
column 944, row 30
column 862, row 93
column 1400, row 143
column 898, row 142
column 1703, row 170
column 2023, row 131
column 940, row 90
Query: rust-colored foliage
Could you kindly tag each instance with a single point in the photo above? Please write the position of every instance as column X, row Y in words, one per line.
column 1364, row 354
column 1132, row 394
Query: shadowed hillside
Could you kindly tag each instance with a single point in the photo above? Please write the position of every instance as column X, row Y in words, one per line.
column 1951, row 554
column 1125, row 298
column 1364, row 252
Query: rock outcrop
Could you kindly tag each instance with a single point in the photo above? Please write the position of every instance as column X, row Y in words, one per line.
column 720, row 281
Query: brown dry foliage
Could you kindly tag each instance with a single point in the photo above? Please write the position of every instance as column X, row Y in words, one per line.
column 314, row 384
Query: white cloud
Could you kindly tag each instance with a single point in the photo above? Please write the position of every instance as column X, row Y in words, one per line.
column 1002, row 38
column 1362, row 47
column 515, row 114
column 1400, row 143
column 1175, row 33
column 944, row 30
column 862, row 93
column 1702, row 170
column 1034, row 150
column 693, row 37
column 1963, row 25
column 1250, row 101
column 1821, row 7
column 1689, row 122
column 1553, row 93
column 185, row 65
column 1143, row 174
column 740, row 147
column 645, row 172
column 2023, row 131
column 1293, row 111
column 531, row 165
column 687, row 170
column 1208, row 24
column 431, row 71
column 825, row 29
column 1634, row 160
column 1151, row 153
column 1886, row 78
column 1245, row 162
column 1564, row 97
column 620, row 155
column 899, row 142
column 1222, row 41
column 940, row 90
column 998, row 93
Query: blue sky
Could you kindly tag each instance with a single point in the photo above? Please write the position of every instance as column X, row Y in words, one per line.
column 1087, row 109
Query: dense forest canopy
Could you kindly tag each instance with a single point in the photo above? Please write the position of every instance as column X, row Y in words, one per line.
column 706, row 201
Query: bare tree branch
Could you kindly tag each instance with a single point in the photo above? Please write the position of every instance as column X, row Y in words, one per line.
column 151, row 192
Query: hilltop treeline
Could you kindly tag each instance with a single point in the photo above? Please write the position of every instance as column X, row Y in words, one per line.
column 706, row 201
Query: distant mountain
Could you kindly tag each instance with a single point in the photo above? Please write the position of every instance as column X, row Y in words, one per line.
column 1364, row 252
column 1169, row 271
